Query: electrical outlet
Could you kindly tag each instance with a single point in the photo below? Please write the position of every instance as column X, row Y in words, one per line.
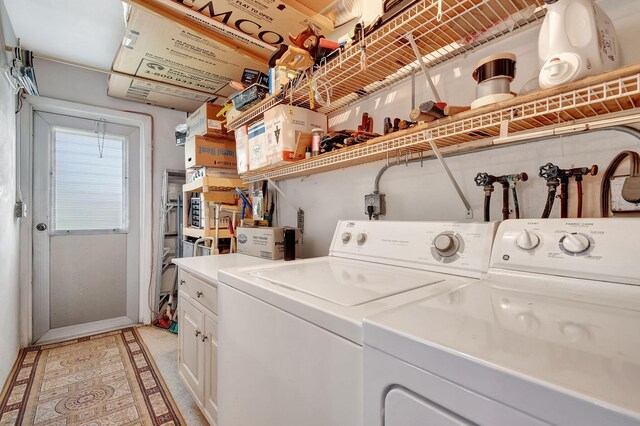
column 374, row 205
column 619, row 204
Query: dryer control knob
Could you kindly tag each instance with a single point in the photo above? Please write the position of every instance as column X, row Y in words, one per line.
column 346, row 237
column 361, row 238
column 446, row 245
column 527, row 240
column 574, row 243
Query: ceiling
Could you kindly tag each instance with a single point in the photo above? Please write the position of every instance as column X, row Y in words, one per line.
column 86, row 32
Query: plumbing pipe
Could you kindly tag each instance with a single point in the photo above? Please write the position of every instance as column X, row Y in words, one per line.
column 619, row 128
column 505, row 199
column 579, row 189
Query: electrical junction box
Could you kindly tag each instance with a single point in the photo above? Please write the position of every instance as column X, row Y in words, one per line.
column 374, row 205
column 619, row 204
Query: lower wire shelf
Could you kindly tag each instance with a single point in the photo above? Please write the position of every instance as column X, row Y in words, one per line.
column 605, row 96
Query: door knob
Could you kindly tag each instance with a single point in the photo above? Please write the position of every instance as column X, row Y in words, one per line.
column 41, row 226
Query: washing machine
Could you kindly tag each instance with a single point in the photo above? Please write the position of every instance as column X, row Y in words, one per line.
column 550, row 336
column 290, row 334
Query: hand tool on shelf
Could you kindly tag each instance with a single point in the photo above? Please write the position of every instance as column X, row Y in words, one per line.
column 430, row 111
column 508, row 182
column 245, row 203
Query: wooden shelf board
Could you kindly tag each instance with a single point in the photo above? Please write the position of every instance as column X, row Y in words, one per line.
column 214, row 184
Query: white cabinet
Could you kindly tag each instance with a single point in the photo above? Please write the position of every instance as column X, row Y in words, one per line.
column 198, row 341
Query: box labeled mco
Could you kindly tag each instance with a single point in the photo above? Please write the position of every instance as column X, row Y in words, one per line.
column 263, row 242
column 200, row 151
column 283, row 124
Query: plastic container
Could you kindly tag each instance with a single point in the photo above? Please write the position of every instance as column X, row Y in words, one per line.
column 250, row 96
column 577, row 39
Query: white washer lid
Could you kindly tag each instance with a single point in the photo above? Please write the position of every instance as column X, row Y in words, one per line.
column 571, row 346
column 345, row 282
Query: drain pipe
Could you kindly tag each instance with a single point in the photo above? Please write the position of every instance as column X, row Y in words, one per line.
column 622, row 129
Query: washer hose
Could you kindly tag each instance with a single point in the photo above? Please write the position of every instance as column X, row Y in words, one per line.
column 551, row 196
column 516, row 205
column 487, row 205
column 579, row 190
column 564, row 197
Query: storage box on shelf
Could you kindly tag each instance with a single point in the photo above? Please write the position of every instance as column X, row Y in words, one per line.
column 212, row 191
column 573, row 105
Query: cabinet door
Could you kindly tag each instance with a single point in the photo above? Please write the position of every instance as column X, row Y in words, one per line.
column 191, row 361
column 211, row 368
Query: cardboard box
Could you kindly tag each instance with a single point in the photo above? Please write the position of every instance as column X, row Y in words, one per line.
column 154, row 93
column 200, row 151
column 161, row 50
column 257, row 143
column 242, row 149
column 255, row 27
column 282, row 131
column 197, row 173
column 263, row 242
column 203, row 121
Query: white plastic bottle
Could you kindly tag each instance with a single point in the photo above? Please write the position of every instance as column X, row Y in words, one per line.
column 577, row 39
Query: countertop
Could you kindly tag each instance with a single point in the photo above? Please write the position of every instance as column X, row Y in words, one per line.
column 207, row 267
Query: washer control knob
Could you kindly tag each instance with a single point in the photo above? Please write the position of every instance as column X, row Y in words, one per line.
column 361, row 238
column 575, row 243
column 346, row 237
column 446, row 245
column 527, row 240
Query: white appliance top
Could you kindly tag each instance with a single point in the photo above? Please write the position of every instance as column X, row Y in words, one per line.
column 364, row 276
column 546, row 344
column 207, row 267
column 345, row 282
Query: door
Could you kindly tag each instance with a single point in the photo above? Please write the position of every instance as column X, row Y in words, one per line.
column 210, row 343
column 191, row 362
column 86, row 193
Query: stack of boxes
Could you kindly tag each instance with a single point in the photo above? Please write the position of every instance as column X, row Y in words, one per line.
column 209, row 151
column 276, row 139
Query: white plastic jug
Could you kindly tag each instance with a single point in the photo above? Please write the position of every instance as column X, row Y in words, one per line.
column 577, row 39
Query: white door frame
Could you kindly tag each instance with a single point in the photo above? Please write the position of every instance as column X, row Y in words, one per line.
column 143, row 123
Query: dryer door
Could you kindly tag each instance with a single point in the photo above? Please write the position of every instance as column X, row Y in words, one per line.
column 404, row 408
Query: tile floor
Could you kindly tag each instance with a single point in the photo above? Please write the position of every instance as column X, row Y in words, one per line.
column 163, row 346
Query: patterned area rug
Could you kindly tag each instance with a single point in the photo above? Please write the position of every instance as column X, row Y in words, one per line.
column 106, row 379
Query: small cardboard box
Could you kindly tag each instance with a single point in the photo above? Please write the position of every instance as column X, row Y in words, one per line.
column 242, row 149
column 257, row 141
column 201, row 151
column 282, row 131
column 203, row 121
column 264, row 242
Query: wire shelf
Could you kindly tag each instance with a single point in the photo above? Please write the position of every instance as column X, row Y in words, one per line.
column 465, row 25
column 596, row 97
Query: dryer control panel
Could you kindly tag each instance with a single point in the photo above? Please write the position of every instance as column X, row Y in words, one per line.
column 459, row 248
column 599, row 249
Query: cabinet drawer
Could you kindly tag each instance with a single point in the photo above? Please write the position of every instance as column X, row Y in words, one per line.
column 199, row 290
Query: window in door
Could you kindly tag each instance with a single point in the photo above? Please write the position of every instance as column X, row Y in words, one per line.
column 89, row 182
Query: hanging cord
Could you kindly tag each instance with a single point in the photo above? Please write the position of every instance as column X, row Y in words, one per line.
column 605, row 188
column 100, row 141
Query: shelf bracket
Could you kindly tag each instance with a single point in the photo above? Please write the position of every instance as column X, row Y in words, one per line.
column 425, row 71
column 299, row 211
column 436, row 151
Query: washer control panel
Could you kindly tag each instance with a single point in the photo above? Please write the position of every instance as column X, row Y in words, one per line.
column 437, row 246
column 600, row 249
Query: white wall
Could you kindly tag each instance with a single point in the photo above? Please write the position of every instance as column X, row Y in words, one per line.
column 415, row 193
column 9, row 225
column 88, row 87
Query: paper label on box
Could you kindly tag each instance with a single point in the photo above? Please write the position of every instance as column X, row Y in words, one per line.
column 214, row 124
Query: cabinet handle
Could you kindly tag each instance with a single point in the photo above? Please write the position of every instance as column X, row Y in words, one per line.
column 203, row 338
column 181, row 282
column 198, row 332
column 198, row 294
